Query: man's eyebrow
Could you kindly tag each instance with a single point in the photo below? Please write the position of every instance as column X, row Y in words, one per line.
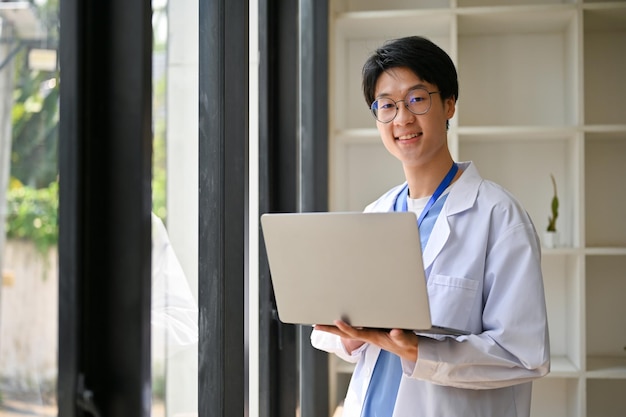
column 415, row 87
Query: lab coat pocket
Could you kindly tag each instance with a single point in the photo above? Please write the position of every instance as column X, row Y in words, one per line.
column 451, row 300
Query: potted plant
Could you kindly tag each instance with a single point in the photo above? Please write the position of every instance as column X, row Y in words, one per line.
column 551, row 236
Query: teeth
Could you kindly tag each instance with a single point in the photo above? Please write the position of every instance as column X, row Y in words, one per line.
column 405, row 137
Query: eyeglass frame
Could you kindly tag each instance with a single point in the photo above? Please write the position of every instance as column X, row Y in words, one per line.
column 395, row 102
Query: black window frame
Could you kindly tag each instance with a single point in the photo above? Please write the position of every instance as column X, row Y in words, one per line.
column 105, row 161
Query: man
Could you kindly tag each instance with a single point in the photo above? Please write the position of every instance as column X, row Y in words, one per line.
column 482, row 260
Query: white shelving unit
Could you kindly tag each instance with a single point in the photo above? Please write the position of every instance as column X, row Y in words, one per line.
column 542, row 91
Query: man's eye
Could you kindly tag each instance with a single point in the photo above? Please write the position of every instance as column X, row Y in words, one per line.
column 416, row 99
column 386, row 106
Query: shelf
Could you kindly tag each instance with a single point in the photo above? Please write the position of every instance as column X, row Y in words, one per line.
column 541, row 92
column 603, row 4
column 503, row 133
column 561, row 250
column 492, row 133
column 556, row 397
column 563, row 290
column 604, row 63
column 388, row 5
column 518, row 68
column 605, row 158
column 482, row 3
column 605, row 306
column 606, row 367
column 607, row 251
column 382, row 25
column 605, row 397
column 562, row 367
column 507, row 20
column 514, row 163
column 606, row 131
column 356, row 136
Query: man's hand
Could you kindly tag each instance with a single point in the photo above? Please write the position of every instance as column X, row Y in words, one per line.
column 401, row 342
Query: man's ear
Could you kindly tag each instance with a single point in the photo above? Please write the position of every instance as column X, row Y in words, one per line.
column 450, row 108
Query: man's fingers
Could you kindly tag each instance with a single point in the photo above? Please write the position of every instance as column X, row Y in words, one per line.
column 395, row 333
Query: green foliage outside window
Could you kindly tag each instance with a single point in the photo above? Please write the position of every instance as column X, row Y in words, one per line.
column 32, row 214
column 35, row 129
column 32, row 198
column 159, row 151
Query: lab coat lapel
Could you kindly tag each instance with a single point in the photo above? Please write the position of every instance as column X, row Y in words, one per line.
column 438, row 238
column 462, row 197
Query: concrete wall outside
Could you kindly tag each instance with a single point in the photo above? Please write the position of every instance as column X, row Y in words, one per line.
column 28, row 318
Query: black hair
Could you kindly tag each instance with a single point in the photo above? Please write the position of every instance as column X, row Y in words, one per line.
column 427, row 60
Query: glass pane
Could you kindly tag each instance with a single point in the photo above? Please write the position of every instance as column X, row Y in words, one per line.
column 175, row 217
column 28, row 208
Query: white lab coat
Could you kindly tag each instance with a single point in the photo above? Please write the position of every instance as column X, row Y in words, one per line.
column 483, row 269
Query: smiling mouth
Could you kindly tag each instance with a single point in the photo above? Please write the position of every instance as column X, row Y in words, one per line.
column 409, row 136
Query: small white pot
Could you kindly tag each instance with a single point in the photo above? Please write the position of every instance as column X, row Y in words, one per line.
column 551, row 239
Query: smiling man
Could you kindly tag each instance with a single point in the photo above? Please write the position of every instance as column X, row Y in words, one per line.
column 482, row 260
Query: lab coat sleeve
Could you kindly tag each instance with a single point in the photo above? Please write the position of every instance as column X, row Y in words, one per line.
column 514, row 345
column 332, row 344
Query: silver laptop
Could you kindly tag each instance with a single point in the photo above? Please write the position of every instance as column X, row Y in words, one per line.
column 364, row 268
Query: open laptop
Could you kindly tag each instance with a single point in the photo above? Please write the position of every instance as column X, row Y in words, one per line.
column 364, row 268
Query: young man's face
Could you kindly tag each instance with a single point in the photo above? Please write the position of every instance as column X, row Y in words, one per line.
column 414, row 139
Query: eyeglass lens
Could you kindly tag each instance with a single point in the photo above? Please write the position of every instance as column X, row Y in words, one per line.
column 417, row 101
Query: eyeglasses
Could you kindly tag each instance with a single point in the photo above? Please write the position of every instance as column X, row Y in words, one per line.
column 417, row 101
